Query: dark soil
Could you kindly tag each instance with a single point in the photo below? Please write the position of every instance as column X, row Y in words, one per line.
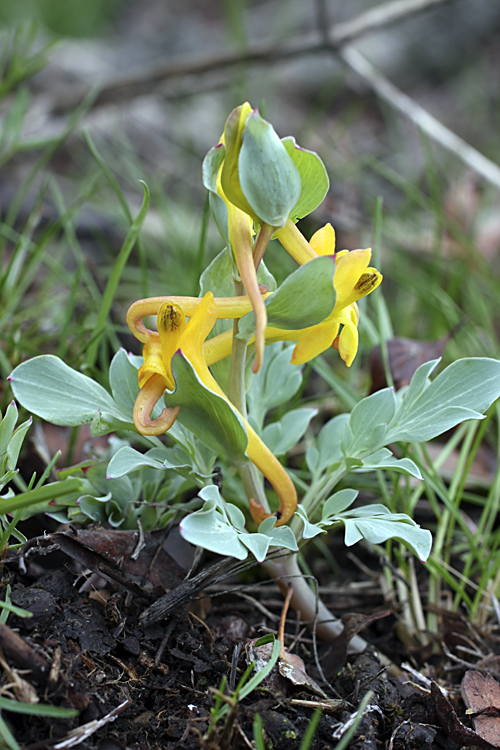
column 87, row 647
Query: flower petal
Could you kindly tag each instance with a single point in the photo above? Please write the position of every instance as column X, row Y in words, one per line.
column 316, row 340
column 153, row 365
column 171, row 326
column 323, row 241
column 347, row 342
column 348, row 270
column 149, row 395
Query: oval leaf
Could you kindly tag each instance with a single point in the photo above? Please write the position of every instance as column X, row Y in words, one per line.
column 49, row 388
column 314, row 181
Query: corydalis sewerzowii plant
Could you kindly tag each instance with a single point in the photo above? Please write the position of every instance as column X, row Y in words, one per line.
column 196, row 362
column 260, row 184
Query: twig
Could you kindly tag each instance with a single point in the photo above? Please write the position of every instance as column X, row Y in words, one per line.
column 423, row 119
column 121, row 89
column 284, row 612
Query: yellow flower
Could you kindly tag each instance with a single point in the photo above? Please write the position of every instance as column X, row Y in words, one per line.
column 155, row 376
column 353, row 280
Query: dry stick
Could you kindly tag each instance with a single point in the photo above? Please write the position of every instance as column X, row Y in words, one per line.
column 121, row 89
column 423, row 119
column 284, row 612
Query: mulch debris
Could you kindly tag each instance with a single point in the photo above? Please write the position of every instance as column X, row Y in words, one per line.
column 147, row 683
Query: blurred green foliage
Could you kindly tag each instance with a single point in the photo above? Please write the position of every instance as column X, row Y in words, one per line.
column 70, row 18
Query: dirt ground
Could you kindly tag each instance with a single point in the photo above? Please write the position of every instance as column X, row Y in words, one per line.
column 145, row 684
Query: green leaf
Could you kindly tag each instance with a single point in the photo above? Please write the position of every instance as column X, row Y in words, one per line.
column 209, row 529
column 280, row 536
column 305, row 298
column 275, row 384
column 7, row 426
column 377, row 524
column 312, row 461
column 211, row 166
column 6, row 735
column 16, row 442
column 220, row 527
column 49, row 388
column 281, row 436
column 462, row 391
column 368, row 422
column 37, row 709
column 209, row 416
column 127, row 460
column 123, row 381
column 314, row 182
column 419, row 382
column 104, row 423
column 269, row 179
column 338, row 503
column 383, row 459
column 329, row 442
column 258, row 544
column 218, row 278
column 310, row 530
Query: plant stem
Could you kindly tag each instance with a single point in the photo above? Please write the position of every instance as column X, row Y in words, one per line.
column 237, row 395
column 306, row 602
column 265, row 234
column 317, row 494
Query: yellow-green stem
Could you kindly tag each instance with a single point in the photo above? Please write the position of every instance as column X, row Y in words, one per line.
column 237, row 395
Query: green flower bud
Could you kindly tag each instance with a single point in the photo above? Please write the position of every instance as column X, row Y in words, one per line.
column 258, row 175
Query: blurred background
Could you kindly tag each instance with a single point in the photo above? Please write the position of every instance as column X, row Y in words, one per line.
column 100, row 95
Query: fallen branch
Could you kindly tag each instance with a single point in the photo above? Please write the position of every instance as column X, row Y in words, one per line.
column 124, row 88
column 417, row 114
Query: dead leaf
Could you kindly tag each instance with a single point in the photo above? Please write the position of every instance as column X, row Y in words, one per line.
column 481, row 695
column 289, row 666
column 293, row 669
column 449, row 721
column 138, row 564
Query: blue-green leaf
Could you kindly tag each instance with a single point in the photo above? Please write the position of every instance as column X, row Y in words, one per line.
column 281, row 436
column 383, row 459
column 377, row 524
column 275, row 384
column 209, row 416
column 49, row 388
column 306, row 297
column 462, row 391
column 338, row 503
column 329, row 441
column 209, row 529
column 372, row 413
column 269, row 179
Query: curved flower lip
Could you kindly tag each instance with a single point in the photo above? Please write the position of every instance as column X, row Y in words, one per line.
column 154, row 379
column 227, row 308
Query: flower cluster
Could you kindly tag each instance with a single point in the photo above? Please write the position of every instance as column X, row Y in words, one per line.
column 260, row 186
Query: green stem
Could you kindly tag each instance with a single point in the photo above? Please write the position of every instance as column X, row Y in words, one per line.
column 316, row 495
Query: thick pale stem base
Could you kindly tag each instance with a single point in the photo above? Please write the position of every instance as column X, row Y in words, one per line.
column 305, row 601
